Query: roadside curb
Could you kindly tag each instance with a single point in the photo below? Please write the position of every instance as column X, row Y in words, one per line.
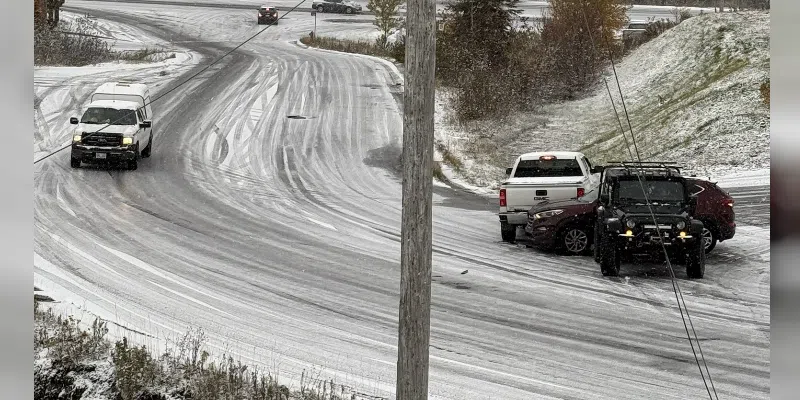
column 393, row 66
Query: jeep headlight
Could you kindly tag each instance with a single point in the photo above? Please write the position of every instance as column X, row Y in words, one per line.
column 127, row 140
column 680, row 225
column 547, row 214
column 76, row 138
column 630, row 223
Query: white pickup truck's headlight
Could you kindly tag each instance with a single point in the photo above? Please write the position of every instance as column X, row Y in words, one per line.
column 127, row 140
column 547, row 214
column 76, row 138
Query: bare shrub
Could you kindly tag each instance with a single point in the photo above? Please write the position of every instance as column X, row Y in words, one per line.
column 764, row 89
column 580, row 35
column 373, row 48
column 73, row 44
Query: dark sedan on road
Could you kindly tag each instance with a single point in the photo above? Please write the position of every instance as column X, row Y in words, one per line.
column 568, row 226
column 336, row 6
column 267, row 15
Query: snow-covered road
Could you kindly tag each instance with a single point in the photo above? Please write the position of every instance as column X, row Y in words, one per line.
column 279, row 237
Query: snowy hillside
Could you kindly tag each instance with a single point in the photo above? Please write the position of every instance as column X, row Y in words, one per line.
column 692, row 95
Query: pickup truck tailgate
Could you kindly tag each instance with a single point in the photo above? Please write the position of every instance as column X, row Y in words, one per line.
column 522, row 194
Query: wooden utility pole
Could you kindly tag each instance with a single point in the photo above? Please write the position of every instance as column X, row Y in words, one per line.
column 417, row 222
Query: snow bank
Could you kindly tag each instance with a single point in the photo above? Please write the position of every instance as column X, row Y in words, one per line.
column 692, row 95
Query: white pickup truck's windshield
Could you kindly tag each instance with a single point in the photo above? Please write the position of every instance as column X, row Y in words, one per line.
column 112, row 116
column 630, row 191
column 548, row 168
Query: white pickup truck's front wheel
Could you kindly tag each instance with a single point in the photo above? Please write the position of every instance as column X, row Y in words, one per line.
column 508, row 232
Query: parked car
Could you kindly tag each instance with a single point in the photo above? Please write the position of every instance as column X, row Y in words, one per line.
column 267, row 15
column 336, row 6
column 115, row 127
column 634, row 29
column 565, row 225
column 715, row 209
column 625, row 223
column 538, row 177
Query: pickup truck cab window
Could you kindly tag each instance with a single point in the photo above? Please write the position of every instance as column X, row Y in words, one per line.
column 548, row 168
column 97, row 115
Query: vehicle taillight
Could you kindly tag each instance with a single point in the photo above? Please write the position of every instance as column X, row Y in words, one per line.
column 502, row 197
column 581, row 192
column 728, row 202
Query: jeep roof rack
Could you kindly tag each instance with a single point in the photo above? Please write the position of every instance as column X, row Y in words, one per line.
column 670, row 168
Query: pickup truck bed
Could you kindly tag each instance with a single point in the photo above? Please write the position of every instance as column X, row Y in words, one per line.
column 538, row 177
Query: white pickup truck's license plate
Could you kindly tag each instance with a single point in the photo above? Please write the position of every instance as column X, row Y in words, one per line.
column 100, row 155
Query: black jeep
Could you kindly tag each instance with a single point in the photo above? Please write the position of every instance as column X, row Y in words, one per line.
column 626, row 226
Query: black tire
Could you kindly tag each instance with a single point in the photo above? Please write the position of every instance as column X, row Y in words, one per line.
column 508, row 232
column 320, row 9
column 148, row 150
column 696, row 260
column 609, row 258
column 75, row 162
column 575, row 240
column 134, row 164
column 709, row 239
column 348, row 10
column 596, row 246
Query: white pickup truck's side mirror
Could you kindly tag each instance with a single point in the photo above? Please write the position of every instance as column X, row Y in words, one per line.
column 508, row 171
column 146, row 124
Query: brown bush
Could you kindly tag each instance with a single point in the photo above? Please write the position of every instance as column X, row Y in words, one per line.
column 580, row 36
column 764, row 89
column 396, row 51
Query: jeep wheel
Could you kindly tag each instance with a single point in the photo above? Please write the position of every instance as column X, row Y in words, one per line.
column 348, row 10
column 696, row 260
column 321, row 9
column 149, row 148
column 508, row 232
column 609, row 258
column 575, row 240
column 75, row 162
column 709, row 240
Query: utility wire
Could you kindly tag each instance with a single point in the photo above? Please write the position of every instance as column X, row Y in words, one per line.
column 178, row 85
column 676, row 288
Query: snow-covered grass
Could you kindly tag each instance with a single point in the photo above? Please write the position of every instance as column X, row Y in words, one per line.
column 692, row 95
column 73, row 362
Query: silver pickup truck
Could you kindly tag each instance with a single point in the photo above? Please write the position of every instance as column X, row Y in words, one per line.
column 542, row 176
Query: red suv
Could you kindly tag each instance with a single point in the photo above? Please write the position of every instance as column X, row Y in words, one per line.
column 715, row 209
column 568, row 225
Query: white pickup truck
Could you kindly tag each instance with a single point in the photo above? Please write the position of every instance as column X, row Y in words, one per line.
column 542, row 176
